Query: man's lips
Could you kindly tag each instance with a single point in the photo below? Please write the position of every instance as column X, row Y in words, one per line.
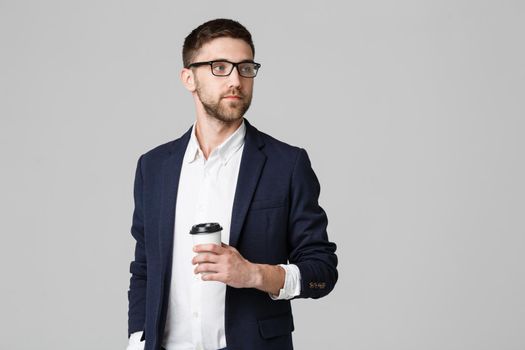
column 232, row 97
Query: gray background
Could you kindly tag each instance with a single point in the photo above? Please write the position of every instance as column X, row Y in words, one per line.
column 412, row 114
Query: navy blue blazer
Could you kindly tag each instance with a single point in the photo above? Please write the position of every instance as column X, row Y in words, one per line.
column 276, row 219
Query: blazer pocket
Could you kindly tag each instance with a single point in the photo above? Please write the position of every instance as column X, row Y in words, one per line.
column 276, row 326
column 267, row 203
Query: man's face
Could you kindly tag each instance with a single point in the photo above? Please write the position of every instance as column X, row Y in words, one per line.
column 224, row 98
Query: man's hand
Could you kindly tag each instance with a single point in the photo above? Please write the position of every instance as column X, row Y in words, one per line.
column 225, row 264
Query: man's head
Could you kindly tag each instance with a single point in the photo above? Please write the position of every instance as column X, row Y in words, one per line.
column 220, row 91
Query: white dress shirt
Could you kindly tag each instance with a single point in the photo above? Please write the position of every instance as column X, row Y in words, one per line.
column 195, row 318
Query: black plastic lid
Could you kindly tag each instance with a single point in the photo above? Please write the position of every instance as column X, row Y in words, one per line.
column 208, row 227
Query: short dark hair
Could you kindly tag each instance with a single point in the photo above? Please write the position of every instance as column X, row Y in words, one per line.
column 206, row 32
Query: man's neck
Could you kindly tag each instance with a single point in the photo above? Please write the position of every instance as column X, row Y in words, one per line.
column 211, row 132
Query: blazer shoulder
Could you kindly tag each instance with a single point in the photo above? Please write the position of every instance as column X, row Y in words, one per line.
column 279, row 152
column 160, row 150
column 277, row 147
column 290, row 158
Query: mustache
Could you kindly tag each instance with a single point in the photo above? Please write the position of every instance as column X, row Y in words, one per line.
column 233, row 93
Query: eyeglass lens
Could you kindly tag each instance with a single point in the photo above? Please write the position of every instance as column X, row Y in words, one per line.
column 245, row 69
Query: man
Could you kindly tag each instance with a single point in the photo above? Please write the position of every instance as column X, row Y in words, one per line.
column 263, row 193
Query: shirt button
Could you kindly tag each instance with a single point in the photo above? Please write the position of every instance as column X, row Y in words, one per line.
column 198, row 347
column 196, row 314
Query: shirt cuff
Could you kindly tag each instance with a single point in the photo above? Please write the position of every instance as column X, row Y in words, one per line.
column 134, row 342
column 292, row 283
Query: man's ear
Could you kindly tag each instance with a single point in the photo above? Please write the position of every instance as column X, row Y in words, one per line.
column 188, row 79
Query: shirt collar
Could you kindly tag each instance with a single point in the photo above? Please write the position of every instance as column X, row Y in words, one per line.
column 225, row 150
column 193, row 150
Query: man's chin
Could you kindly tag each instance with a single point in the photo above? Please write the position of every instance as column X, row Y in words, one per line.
column 227, row 116
column 232, row 104
column 230, row 118
column 233, row 113
column 229, row 112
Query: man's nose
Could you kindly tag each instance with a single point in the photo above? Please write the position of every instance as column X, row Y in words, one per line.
column 234, row 79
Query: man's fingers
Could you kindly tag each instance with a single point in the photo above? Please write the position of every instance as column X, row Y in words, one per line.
column 208, row 248
column 229, row 248
column 204, row 257
column 219, row 277
column 206, row 268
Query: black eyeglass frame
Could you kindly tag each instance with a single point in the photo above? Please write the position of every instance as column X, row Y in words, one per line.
column 234, row 65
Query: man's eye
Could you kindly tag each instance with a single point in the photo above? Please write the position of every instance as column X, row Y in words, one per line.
column 219, row 67
column 247, row 69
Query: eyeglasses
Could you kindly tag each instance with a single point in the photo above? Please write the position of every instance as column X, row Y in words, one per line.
column 224, row 68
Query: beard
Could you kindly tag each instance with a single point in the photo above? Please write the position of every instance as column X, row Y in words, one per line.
column 224, row 110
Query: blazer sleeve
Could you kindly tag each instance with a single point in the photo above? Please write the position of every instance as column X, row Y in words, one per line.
column 310, row 248
column 137, row 284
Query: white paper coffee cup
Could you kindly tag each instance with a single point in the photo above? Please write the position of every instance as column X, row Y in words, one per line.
column 205, row 233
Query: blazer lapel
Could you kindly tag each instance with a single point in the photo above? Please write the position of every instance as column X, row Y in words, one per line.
column 252, row 163
column 170, row 182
